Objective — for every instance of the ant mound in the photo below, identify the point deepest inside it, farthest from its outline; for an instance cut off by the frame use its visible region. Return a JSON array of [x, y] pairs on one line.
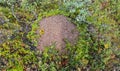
[[56, 30]]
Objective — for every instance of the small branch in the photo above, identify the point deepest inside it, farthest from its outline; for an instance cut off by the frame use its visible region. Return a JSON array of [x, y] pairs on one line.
[[13, 13]]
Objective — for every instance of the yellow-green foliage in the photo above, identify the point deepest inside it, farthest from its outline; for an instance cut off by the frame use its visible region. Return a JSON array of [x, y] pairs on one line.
[[15, 52], [97, 47], [99, 43]]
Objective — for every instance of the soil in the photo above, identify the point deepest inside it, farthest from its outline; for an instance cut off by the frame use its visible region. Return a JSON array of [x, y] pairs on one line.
[[56, 30]]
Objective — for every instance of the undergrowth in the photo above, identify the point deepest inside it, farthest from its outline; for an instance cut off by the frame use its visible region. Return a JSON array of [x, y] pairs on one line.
[[97, 47]]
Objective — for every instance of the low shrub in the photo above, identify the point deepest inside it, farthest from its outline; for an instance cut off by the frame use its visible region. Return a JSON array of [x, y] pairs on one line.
[[97, 47]]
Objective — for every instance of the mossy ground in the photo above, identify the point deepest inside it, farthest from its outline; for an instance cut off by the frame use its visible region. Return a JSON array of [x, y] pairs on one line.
[[98, 46]]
